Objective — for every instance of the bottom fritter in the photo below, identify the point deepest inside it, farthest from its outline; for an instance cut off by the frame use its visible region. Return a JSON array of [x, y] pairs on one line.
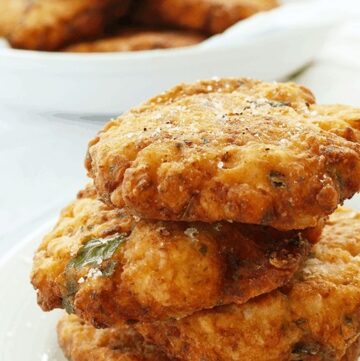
[[81, 342], [353, 352], [315, 318]]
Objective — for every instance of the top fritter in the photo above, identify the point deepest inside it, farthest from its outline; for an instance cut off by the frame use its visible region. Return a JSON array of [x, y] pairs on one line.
[[230, 149]]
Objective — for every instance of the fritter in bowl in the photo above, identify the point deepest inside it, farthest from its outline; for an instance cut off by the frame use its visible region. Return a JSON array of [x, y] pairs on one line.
[[229, 149], [315, 317], [211, 16], [53, 24], [138, 39], [81, 342], [109, 268]]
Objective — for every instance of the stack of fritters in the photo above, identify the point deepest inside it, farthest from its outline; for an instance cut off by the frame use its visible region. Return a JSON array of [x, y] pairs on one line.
[[113, 25], [205, 234]]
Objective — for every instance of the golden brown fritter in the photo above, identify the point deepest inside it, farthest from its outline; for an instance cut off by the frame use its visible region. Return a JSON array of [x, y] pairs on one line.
[[229, 149], [212, 16], [316, 317], [108, 268], [340, 119], [79, 222], [139, 39], [50, 25], [10, 12], [353, 352], [81, 342]]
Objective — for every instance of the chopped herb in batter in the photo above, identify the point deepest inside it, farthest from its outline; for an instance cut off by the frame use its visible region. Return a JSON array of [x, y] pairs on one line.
[[95, 251]]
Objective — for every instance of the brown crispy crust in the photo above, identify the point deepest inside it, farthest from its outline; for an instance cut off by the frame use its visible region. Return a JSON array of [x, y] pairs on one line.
[[212, 16], [353, 352], [50, 25], [164, 269], [228, 149], [81, 342], [10, 12], [315, 318], [139, 39], [343, 120]]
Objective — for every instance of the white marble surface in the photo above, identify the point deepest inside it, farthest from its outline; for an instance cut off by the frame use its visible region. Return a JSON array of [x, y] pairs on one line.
[[41, 155]]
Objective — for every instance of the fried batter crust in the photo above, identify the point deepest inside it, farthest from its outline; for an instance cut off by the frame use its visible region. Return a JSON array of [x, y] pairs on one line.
[[164, 269], [10, 12], [50, 25], [212, 16], [340, 119], [81, 342], [353, 352], [139, 39], [80, 221], [316, 317], [229, 149]]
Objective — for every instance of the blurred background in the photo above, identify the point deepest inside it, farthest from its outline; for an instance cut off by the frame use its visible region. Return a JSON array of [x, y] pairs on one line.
[[52, 102]]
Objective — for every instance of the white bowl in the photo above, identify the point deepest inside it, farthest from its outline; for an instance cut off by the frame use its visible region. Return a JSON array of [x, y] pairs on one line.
[[268, 46]]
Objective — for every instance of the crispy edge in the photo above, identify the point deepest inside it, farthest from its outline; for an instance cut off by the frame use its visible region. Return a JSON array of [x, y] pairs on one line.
[[76, 223], [342, 120], [81, 342]]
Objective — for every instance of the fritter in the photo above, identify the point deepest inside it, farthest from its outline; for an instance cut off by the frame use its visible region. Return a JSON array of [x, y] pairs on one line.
[[81, 342], [139, 39], [108, 268], [353, 352], [339, 119], [316, 317], [10, 12], [228, 149], [50, 25], [211, 16]]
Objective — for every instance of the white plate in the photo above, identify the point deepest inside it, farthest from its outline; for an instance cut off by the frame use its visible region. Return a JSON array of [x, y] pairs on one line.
[[268, 46], [27, 333]]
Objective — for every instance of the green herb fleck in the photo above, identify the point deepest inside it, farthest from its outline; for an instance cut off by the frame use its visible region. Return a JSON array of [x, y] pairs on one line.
[[68, 304], [92, 253], [278, 104], [95, 251]]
